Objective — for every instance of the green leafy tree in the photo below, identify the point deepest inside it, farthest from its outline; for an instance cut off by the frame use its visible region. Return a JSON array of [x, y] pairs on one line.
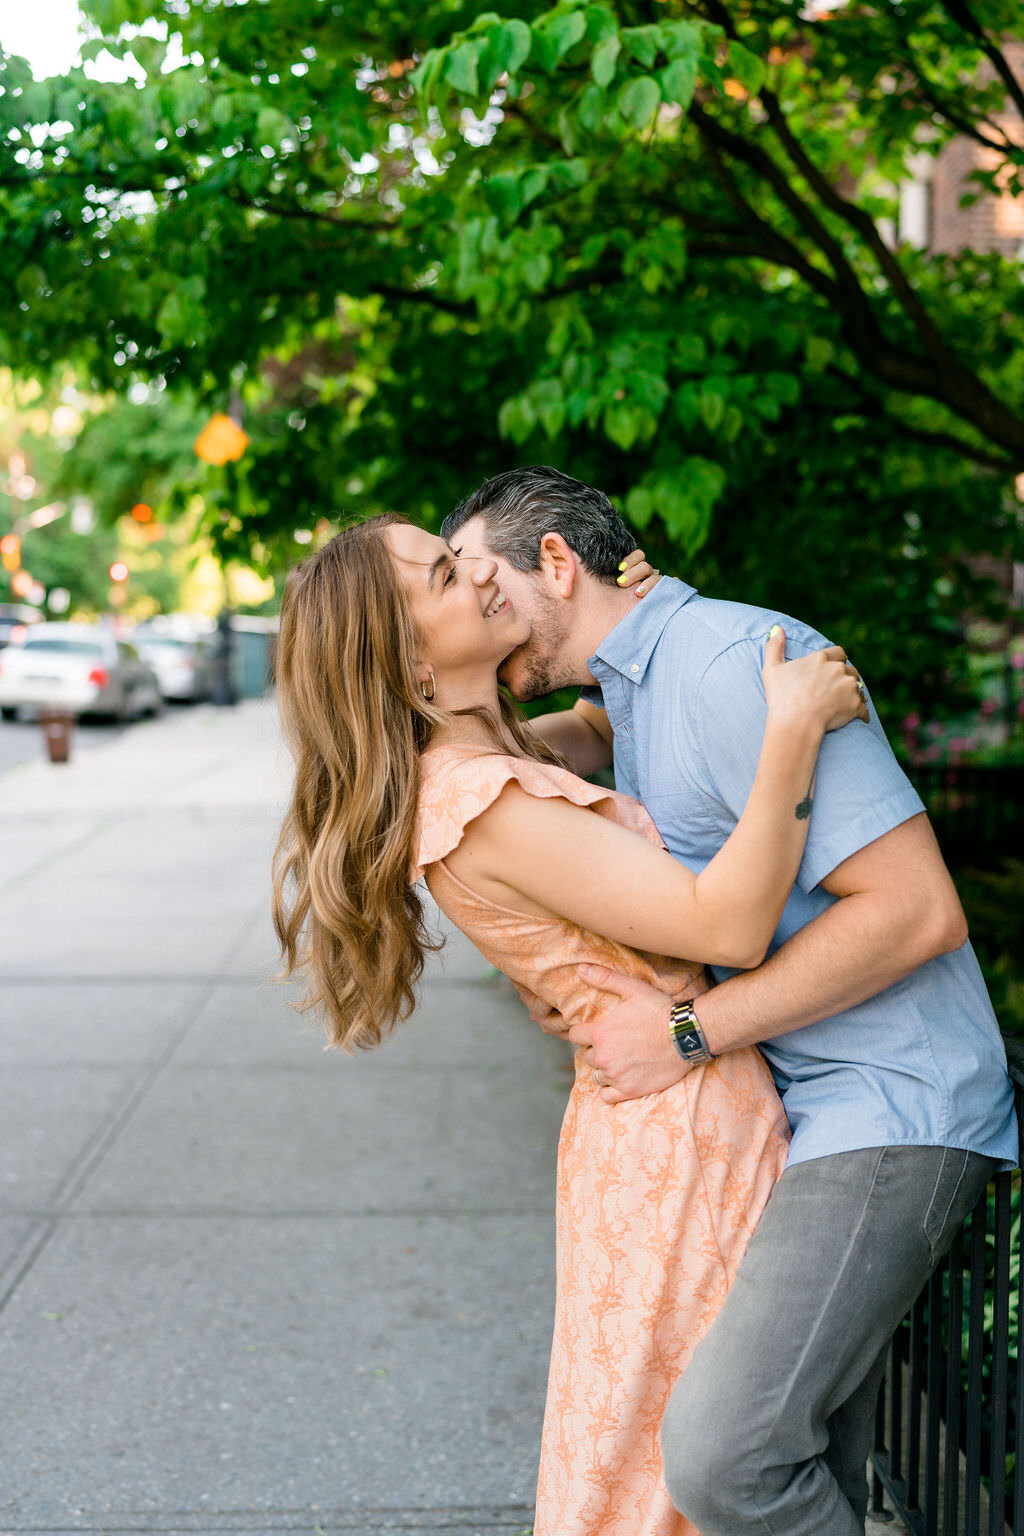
[[643, 240], [67, 452]]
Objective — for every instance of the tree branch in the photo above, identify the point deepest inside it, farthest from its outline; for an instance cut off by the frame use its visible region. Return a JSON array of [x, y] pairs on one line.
[[716, 136], [739, 247], [865, 226], [973, 402], [942, 377], [515, 109], [295, 211], [869, 405], [422, 296], [856, 218], [962, 14], [784, 252], [956, 119], [957, 444]]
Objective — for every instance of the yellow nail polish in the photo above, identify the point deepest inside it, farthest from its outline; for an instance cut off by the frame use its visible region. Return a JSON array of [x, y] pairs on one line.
[[619, 580], [775, 630], [622, 565]]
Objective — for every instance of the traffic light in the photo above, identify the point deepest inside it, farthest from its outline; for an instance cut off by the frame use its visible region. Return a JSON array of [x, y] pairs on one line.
[[10, 551]]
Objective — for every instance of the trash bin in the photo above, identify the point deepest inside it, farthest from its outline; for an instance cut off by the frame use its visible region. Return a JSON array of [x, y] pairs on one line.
[[57, 724]]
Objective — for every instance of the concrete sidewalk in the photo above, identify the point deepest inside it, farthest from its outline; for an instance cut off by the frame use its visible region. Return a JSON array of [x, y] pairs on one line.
[[246, 1285]]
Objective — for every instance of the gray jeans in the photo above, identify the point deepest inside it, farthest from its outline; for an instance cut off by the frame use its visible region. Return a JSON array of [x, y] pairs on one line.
[[770, 1427]]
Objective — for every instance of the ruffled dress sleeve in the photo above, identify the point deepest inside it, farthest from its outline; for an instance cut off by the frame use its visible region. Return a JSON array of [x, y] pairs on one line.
[[457, 786]]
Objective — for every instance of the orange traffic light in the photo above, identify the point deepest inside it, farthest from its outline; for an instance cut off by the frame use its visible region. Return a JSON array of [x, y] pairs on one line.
[[119, 571], [10, 551]]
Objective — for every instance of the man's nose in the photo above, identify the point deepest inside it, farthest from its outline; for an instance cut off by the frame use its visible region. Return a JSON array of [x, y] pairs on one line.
[[483, 569]]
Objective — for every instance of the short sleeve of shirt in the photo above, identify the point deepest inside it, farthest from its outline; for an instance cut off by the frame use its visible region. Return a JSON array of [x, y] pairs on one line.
[[860, 793]]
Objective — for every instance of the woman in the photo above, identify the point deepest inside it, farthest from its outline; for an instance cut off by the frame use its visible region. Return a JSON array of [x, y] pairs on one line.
[[411, 764]]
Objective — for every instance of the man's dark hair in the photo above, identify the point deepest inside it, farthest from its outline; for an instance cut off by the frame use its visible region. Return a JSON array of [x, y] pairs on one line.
[[522, 505]]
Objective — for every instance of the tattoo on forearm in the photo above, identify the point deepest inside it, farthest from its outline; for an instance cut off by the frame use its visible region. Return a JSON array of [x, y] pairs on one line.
[[803, 810]]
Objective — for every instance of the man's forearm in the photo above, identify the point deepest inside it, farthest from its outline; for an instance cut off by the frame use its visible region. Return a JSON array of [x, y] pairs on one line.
[[896, 909], [570, 732], [855, 949]]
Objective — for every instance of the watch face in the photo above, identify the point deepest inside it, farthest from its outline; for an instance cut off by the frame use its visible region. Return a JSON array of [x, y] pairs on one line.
[[686, 1034]]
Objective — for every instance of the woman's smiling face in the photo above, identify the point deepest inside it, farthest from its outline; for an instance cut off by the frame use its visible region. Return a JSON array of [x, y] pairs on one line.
[[464, 620]]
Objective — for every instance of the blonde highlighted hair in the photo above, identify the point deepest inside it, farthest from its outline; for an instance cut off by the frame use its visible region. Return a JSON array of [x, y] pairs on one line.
[[356, 721]]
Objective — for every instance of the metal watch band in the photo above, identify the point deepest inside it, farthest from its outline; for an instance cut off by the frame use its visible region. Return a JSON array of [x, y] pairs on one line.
[[687, 1035]]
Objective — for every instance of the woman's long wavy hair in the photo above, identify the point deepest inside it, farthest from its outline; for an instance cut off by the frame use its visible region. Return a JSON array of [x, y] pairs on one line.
[[356, 720]]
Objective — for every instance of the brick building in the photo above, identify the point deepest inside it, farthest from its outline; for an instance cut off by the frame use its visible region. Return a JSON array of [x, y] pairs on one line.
[[930, 211]]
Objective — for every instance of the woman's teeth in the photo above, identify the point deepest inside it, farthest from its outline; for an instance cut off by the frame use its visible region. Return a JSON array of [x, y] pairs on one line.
[[495, 607]]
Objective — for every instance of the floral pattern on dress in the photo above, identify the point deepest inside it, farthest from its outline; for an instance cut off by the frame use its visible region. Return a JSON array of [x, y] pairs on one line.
[[656, 1197]]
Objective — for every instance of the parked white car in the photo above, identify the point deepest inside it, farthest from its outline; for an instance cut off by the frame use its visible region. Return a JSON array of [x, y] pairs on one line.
[[79, 668], [182, 664]]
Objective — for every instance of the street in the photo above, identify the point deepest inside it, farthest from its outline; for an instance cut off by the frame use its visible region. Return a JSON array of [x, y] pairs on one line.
[[248, 1285]]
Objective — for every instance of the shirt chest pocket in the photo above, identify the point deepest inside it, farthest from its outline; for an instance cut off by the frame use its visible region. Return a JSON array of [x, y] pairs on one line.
[[691, 826]]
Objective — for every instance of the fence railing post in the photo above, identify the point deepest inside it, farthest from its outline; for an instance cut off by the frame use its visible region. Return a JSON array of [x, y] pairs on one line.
[[952, 1401]]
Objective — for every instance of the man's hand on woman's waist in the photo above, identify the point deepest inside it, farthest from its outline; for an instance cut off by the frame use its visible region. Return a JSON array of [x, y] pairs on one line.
[[631, 1046]]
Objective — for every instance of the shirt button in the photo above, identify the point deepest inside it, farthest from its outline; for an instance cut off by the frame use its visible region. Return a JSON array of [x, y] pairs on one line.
[[634, 668]]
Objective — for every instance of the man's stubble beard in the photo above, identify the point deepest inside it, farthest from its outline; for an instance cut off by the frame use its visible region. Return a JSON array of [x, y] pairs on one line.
[[541, 664]]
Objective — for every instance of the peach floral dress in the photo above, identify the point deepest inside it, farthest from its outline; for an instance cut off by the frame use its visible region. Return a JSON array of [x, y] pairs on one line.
[[656, 1197]]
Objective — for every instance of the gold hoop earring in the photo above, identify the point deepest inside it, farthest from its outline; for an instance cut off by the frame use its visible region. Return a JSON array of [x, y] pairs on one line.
[[429, 697]]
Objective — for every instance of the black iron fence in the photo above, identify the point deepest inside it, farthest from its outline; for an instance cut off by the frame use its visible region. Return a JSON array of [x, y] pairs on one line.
[[949, 1441]]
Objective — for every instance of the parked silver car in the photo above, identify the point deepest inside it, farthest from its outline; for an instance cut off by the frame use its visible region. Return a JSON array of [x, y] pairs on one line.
[[79, 668], [182, 663]]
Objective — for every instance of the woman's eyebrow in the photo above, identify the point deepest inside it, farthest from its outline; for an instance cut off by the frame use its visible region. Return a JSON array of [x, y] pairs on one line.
[[438, 563]]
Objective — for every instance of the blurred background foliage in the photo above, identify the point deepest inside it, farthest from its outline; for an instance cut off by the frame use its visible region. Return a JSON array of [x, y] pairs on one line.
[[651, 242], [643, 241]]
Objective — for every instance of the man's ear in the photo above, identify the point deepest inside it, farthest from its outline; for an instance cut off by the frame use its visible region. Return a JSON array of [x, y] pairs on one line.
[[558, 564]]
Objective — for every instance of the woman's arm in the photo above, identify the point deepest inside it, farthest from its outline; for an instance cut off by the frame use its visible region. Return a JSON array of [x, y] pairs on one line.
[[553, 857]]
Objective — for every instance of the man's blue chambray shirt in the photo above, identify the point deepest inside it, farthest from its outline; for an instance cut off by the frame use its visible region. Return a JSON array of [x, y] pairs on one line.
[[921, 1064]]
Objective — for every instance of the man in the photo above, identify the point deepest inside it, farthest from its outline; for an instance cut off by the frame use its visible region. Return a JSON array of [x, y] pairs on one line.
[[871, 1011]]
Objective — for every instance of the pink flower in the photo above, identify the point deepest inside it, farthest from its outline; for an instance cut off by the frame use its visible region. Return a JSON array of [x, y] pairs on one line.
[[911, 722]]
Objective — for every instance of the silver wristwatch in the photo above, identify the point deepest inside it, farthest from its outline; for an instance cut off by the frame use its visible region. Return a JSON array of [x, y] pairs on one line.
[[687, 1034]]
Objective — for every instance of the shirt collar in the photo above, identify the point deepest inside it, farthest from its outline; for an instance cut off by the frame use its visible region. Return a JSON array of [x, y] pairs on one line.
[[628, 648]]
